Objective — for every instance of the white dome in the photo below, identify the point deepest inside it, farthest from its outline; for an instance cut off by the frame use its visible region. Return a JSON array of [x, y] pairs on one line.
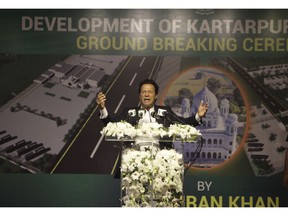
[[208, 97], [225, 102], [233, 117], [185, 102]]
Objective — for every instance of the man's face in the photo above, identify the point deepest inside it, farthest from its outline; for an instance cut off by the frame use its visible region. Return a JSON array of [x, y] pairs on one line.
[[147, 96]]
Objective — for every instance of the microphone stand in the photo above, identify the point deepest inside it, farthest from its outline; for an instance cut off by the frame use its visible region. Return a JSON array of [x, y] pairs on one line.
[[174, 116], [196, 154], [198, 148]]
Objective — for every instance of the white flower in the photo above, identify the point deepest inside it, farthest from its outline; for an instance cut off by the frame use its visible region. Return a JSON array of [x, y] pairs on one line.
[[119, 130], [124, 129], [185, 132], [153, 178], [150, 129]]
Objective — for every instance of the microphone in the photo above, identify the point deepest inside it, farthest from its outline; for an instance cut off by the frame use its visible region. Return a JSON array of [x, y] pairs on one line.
[[162, 112], [154, 115], [141, 113], [132, 112]]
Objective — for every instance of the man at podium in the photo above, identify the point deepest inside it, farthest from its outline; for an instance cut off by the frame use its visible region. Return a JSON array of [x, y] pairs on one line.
[[151, 176], [148, 111]]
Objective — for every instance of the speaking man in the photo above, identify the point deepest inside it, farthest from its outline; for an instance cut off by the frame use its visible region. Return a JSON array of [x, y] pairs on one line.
[[148, 111]]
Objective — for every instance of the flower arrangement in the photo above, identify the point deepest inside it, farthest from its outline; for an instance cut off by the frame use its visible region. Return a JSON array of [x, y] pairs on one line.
[[119, 129], [150, 129], [152, 178], [123, 129], [185, 132]]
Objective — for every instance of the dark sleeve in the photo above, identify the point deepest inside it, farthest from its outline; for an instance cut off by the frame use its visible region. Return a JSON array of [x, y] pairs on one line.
[[192, 121]]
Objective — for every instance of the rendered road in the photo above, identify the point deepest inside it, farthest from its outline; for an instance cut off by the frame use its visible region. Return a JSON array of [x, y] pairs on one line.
[[89, 152]]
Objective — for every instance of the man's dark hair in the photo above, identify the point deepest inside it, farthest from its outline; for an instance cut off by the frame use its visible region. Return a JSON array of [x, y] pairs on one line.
[[149, 81]]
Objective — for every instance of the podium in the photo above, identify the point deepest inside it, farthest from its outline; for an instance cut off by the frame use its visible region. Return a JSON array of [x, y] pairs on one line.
[[151, 175]]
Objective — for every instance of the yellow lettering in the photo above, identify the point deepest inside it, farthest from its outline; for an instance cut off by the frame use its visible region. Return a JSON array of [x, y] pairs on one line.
[[81, 42], [260, 202], [272, 203], [265, 44], [113, 43], [248, 203], [157, 44], [233, 201], [203, 202], [191, 201], [216, 202], [247, 44], [182, 44]]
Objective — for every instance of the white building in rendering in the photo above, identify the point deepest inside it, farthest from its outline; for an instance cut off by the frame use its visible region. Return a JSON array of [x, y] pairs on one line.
[[219, 131]]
